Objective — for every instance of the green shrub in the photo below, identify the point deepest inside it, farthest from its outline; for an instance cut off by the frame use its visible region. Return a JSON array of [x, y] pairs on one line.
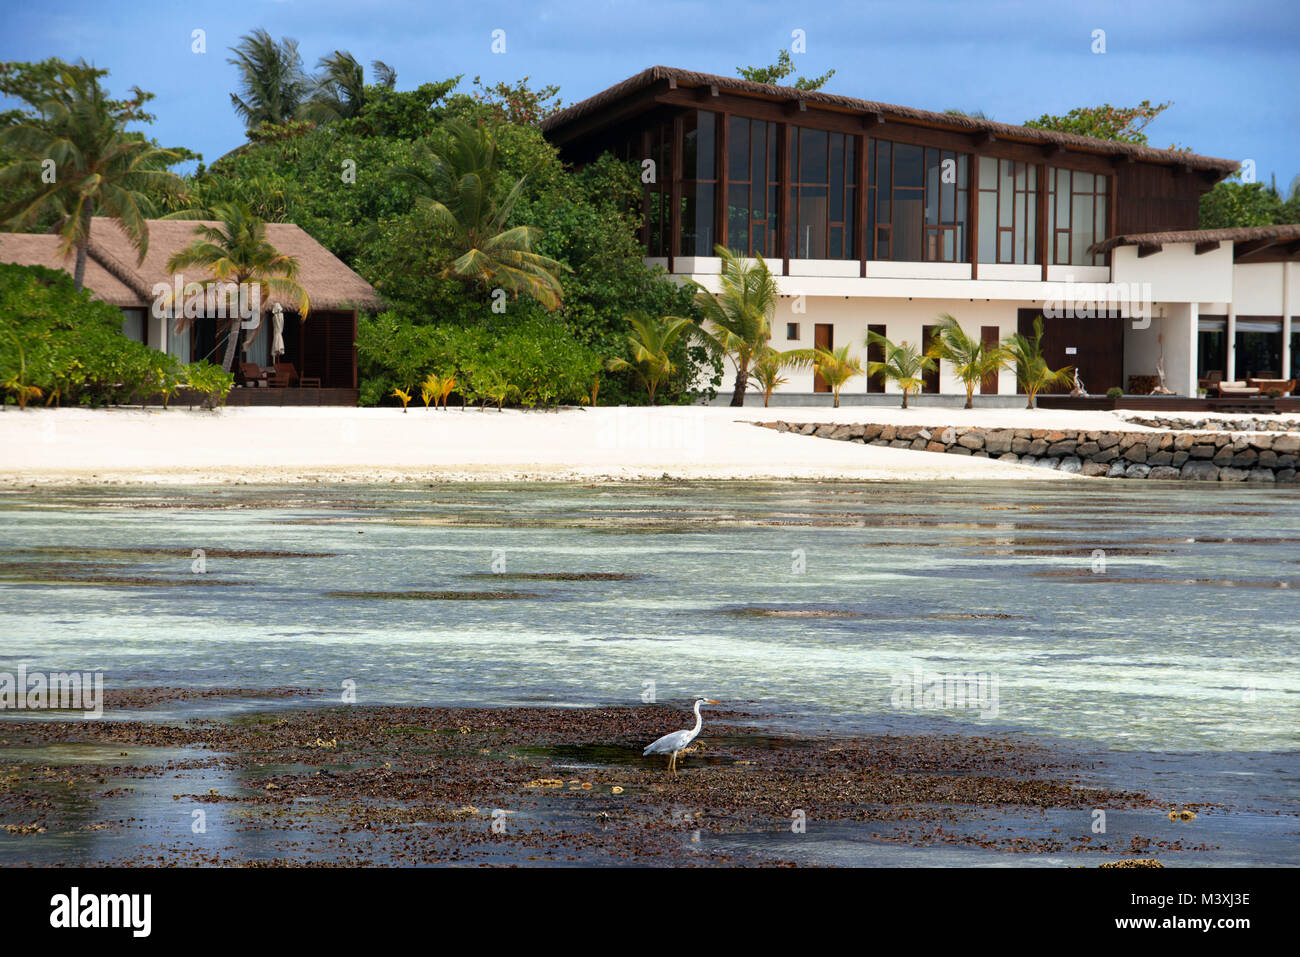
[[70, 346], [1114, 392], [536, 361]]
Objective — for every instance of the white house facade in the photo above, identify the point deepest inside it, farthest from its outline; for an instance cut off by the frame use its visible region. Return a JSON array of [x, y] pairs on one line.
[[878, 217]]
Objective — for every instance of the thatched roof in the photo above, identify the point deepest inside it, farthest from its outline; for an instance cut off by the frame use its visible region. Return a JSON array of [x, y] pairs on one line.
[[1241, 234], [42, 249], [115, 273], [967, 124]]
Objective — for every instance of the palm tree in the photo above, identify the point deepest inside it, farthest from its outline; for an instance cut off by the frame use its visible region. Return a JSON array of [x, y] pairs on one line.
[[650, 342], [99, 168], [340, 88], [765, 371], [835, 366], [903, 363], [236, 250], [971, 359], [272, 83], [740, 316], [457, 182], [1025, 355]]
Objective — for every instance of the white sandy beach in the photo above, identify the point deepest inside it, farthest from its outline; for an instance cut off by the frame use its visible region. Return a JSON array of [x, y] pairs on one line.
[[291, 445]]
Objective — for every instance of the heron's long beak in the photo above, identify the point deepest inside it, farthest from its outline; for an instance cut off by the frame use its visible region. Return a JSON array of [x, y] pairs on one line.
[[711, 701]]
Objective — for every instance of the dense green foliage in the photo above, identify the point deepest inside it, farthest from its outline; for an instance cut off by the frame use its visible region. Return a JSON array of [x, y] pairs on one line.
[[1123, 123], [533, 359], [1234, 203], [60, 345], [587, 220]]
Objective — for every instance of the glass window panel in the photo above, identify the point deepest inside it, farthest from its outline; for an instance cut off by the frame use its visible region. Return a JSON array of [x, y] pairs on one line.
[[738, 164], [706, 166], [812, 156], [988, 173], [1101, 223], [884, 177], [738, 215], [1081, 227], [851, 161], [812, 221], [1005, 253], [1006, 196], [908, 228], [988, 227], [1031, 233], [908, 165], [949, 251], [1063, 249]]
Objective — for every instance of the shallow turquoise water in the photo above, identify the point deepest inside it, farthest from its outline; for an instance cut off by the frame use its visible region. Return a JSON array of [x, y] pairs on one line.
[[1177, 644]]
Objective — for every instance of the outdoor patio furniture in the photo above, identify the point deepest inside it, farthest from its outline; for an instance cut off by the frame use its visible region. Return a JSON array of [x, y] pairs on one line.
[[1237, 387], [252, 374], [1285, 386], [284, 375], [309, 382]]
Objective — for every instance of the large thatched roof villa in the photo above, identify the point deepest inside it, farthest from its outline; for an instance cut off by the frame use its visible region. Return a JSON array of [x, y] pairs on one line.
[[321, 349], [876, 216]]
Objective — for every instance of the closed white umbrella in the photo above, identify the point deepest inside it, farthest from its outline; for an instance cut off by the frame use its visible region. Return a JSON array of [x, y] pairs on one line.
[[277, 332]]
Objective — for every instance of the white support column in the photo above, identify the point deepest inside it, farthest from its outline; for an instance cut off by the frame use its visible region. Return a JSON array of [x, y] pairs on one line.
[[1285, 371], [1230, 373], [1179, 332]]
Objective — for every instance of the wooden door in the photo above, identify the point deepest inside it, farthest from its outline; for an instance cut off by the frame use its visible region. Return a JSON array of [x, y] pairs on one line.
[[823, 338], [930, 377], [875, 353], [1093, 346], [989, 384]]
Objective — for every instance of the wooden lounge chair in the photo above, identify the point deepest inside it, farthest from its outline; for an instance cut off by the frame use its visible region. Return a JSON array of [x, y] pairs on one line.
[[284, 375], [1285, 386], [1235, 388], [252, 374]]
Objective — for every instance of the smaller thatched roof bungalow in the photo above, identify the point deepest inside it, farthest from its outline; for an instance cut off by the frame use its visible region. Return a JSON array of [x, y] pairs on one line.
[[321, 348]]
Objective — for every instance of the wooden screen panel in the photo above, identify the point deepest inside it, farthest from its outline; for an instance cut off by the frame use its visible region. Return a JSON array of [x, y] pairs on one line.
[[875, 353], [1098, 345], [930, 377], [989, 384], [823, 338]]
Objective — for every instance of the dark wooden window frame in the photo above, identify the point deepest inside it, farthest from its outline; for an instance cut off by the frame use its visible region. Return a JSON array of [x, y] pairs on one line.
[[1100, 224], [771, 175], [1033, 212], [848, 188]]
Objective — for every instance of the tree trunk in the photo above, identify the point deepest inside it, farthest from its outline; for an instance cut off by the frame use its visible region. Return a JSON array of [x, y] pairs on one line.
[[232, 340], [905, 398], [83, 247], [742, 383], [970, 400]]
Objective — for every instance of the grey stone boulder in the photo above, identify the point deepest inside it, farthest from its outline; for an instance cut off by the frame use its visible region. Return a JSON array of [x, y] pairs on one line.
[[1138, 470], [1200, 471], [1164, 473]]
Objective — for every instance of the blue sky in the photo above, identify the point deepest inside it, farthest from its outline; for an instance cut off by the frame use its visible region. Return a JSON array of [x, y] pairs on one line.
[[1232, 70]]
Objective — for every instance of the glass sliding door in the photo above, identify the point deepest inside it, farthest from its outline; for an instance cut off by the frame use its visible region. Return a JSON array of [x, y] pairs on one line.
[[1259, 348], [753, 180], [1008, 211], [699, 182], [823, 194], [916, 202]]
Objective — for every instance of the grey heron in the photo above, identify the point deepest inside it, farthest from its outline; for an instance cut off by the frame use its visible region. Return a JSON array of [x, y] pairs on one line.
[[677, 741]]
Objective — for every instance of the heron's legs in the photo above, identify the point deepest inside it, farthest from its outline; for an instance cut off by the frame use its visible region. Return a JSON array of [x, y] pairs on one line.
[[672, 763]]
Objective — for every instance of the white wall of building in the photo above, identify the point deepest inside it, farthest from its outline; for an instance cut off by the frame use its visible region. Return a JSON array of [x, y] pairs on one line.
[[903, 321], [1176, 273]]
